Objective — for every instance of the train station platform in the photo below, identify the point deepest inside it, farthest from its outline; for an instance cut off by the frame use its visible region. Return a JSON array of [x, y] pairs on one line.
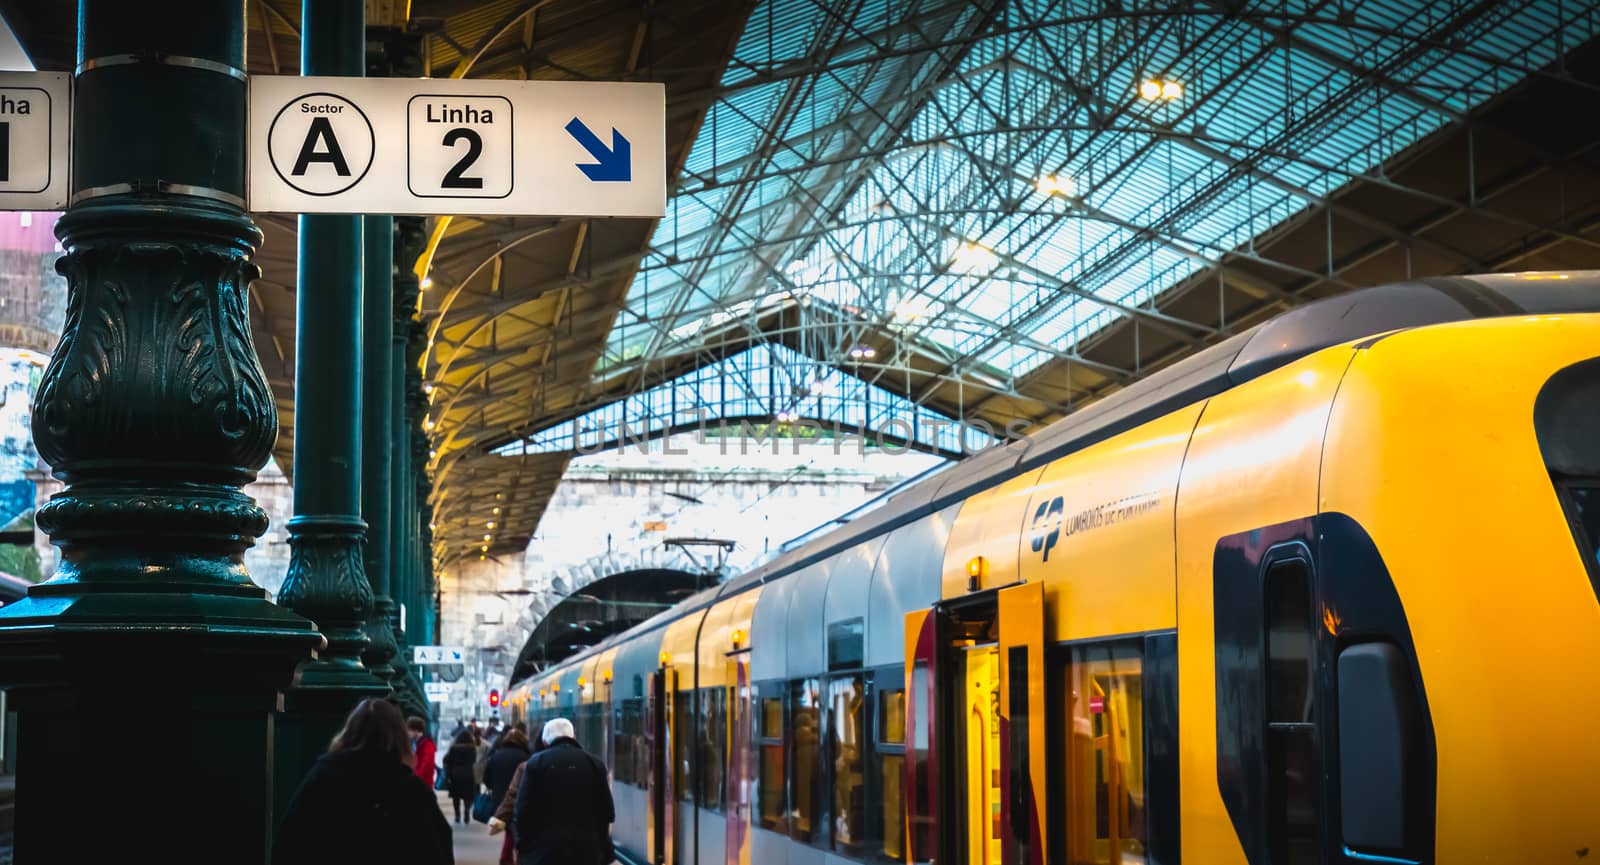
[[473, 843]]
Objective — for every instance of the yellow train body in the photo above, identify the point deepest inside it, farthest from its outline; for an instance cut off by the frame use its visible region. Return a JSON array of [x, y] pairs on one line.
[[1042, 721]]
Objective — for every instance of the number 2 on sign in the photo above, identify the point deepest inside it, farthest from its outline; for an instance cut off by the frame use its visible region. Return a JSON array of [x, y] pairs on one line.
[[453, 178]]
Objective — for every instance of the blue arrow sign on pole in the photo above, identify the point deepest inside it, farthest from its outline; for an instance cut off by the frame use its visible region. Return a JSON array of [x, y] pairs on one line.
[[616, 162]]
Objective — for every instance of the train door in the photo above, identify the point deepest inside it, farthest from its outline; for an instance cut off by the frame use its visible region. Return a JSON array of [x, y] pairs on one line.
[[1023, 722], [976, 703], [659, 782], [737, 781], [978, 752], [608, 739]]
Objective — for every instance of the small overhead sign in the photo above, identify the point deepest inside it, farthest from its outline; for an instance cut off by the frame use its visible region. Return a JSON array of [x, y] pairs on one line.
[[436, 692], [437, 654], [445, 146], [35, 124]]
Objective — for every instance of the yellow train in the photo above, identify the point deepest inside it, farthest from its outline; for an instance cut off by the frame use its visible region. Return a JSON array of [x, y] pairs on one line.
[[1326, 592]]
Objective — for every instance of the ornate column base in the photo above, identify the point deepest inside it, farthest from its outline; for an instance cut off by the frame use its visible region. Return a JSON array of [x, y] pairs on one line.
[[379, 657]]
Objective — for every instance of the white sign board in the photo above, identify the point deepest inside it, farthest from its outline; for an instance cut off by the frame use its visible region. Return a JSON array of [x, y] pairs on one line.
[[35, 121], [437, 654], [436, 692], [446, 146]]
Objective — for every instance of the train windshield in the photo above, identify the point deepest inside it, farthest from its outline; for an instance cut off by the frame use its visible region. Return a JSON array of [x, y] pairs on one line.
[[1586, 517]]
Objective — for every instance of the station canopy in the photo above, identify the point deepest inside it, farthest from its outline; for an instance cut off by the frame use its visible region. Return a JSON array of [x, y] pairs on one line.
[[960, 210]]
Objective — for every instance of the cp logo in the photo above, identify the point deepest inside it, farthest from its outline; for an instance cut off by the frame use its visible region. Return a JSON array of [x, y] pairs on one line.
[[1047, 526]]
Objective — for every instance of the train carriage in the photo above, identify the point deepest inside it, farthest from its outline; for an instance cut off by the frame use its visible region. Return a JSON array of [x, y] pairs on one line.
[[1326, 592]]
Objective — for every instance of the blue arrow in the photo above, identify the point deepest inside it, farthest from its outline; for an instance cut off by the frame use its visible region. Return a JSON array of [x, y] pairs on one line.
[[616, 162]]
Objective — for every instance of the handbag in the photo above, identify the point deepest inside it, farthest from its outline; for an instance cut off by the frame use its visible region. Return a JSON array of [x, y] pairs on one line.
[[483, 808]]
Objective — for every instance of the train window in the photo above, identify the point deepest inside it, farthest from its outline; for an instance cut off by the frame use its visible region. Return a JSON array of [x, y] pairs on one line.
[[845, 645], [807, 798], [847, 728], [892, 716], [712, 746], [1105, 754], [771, 718], [683, 736], [770, 802], [1586, 517], [1291, 734], [890, 778], [1287, 596]]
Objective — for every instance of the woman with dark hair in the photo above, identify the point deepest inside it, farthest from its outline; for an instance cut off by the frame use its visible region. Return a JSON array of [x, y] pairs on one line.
[[460, 776], [361, 802]]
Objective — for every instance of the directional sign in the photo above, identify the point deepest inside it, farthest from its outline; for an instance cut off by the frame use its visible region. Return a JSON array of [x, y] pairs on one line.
[[437, 654], [35, 117], [427, 146], [437, 692]]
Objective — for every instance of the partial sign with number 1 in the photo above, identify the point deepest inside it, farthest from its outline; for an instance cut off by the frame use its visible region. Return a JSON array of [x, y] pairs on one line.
[[35, 121]]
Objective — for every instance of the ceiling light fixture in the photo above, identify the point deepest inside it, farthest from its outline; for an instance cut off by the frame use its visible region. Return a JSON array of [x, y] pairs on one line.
[[1056, 184], [1166, 89]]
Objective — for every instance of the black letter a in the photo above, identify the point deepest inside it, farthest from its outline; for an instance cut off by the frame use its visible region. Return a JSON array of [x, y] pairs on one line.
[[321, 129]]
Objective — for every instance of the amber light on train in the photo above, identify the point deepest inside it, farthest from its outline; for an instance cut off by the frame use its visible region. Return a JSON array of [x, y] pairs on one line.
[[738, 638], [977, 569], [666, 658]]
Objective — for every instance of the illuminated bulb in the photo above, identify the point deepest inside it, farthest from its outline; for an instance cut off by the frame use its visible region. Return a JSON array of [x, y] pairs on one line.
[[432, 453], [977, 566], [1171, 90], [491, 524], [582, 682], [427, 423], [427, 282], [665, 659], [484, 548], [427, 387], [1057, 184], [497, 512], [483, 558], [488, 537], [1150, 89], [973, 257], [738, 637]]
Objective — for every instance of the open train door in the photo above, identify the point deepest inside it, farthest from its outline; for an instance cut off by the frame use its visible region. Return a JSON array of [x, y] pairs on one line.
[[658, 782], [920, 781], [1023, 726], [740, 777]]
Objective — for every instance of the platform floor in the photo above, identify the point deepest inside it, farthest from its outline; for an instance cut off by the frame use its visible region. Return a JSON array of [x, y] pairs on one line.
[[473, 845]]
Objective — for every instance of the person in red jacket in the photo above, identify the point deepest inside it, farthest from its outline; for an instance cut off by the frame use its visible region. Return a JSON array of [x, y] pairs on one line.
[[422, 745]]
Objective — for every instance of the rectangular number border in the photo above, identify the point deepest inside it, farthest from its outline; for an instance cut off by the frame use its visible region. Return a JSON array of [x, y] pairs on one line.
[[511, 112]]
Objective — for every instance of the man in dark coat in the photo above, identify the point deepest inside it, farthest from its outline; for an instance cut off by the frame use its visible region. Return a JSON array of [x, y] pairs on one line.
[[564, 808]]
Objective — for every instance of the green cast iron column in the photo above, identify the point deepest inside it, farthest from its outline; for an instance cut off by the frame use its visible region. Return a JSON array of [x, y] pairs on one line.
[[377, 305], [155, 412], [410, 239], [416, 410], [326, 581]]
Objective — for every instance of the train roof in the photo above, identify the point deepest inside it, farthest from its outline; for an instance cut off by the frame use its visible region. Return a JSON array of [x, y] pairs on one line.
[[1277, 342]]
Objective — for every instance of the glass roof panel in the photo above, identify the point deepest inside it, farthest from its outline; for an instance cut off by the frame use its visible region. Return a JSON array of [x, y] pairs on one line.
[[946, 177]]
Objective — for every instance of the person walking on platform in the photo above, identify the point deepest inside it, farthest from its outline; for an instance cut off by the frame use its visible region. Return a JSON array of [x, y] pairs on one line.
[[361, 802], [506, 797], [564, 810], [512, 751], [422, 746], [461, 783]]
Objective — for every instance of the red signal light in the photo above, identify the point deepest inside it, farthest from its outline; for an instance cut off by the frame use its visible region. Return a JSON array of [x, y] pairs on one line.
[[494, 698]]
